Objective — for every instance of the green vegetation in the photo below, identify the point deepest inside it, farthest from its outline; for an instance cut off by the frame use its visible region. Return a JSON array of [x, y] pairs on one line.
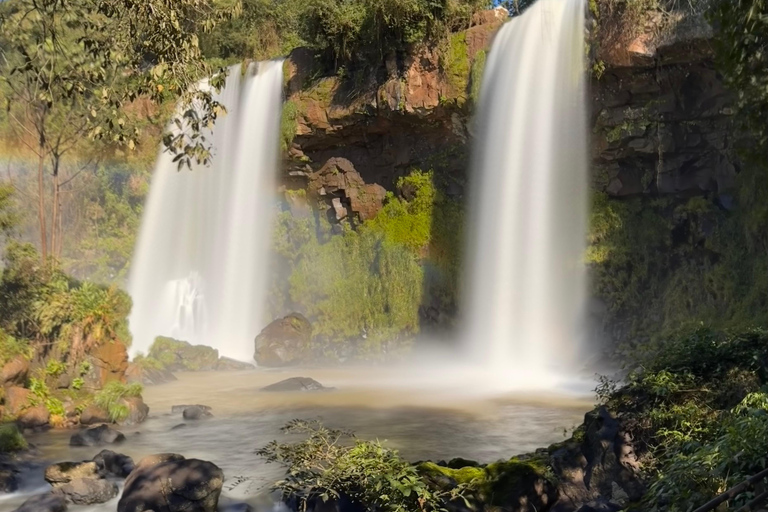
[[288, 124], [174, 355], [369, 283], [476, 76], [11, 439], [41, 394], [323, 467], [110, 399], [457, 66], [696, 410]]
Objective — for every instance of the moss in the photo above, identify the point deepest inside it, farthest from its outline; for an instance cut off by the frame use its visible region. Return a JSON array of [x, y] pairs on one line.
[[288, 124], [456, 66], [476, 76], [495, 483], [11, 439]]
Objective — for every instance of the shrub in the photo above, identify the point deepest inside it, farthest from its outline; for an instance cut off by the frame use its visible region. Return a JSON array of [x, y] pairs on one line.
[[11, 439], [110, 399], [698, 411], [322, 467]]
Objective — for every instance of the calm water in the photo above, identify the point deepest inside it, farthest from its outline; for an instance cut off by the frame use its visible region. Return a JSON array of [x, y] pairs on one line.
[[422, 424]]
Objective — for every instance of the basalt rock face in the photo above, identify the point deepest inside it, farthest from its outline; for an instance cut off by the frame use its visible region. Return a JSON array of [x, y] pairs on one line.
[[662, 118]]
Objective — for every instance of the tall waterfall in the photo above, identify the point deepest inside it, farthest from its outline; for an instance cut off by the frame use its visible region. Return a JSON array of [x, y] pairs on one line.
[[526, 277], [200, 272]]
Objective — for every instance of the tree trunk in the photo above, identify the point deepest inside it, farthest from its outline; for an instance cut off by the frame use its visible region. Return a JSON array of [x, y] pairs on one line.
[[41, 203], [55, 221]]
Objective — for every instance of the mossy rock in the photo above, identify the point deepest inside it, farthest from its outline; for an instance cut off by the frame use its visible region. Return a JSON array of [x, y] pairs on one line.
[[175, 355], [509, 485]]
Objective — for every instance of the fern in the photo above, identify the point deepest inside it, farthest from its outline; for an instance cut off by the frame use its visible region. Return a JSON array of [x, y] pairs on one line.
[[111, 399]]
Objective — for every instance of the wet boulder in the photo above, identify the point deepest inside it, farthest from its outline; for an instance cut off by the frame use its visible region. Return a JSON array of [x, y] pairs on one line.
[[169, 482], [284, 342], [196, 413], [87, 491], [179, 409], [49, 502], [296, 384], [110, 463], [137, 410], [97, 436], [9, 481]]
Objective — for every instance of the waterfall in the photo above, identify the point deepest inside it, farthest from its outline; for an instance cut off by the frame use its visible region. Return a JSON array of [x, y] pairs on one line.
[[526, 277], [200, 271]]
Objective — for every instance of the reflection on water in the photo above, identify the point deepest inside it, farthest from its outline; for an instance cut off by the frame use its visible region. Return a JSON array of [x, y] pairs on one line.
[[422, 425]]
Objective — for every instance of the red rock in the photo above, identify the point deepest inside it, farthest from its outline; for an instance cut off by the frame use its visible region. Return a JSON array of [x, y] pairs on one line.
[[16, 399], [15, 372]]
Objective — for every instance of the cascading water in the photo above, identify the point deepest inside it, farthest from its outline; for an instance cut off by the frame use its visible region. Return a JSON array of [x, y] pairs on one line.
[[526, 279], [200, 272]]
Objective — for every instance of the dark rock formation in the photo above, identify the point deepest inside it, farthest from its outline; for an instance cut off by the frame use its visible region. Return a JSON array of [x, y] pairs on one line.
[[661, 114], [110, 463], [96, 436], [87, 491], [44, 503], [340, 186], [284, 342], [168, 483], [196, 412], [15, 372], [604, 467], [296, 384]]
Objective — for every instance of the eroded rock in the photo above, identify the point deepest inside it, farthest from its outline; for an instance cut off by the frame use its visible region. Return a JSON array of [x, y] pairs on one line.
[[196, 413], [15, 372], [64, 472], [340, 185]]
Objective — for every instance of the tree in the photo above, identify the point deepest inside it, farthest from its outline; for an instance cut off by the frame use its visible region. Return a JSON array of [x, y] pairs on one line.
[[69, 67]]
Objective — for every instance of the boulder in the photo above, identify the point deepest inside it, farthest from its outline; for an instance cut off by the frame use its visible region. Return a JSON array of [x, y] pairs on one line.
[[179, 409], [15, 372], [226, 364], [196, 413], [34, 417], [110, 463], [109, 361], [16, 399], [64, 472], [284, 342], [296, 384], [96, 436], [169, 483], [44, 503], [94, 415], [87, 491]]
